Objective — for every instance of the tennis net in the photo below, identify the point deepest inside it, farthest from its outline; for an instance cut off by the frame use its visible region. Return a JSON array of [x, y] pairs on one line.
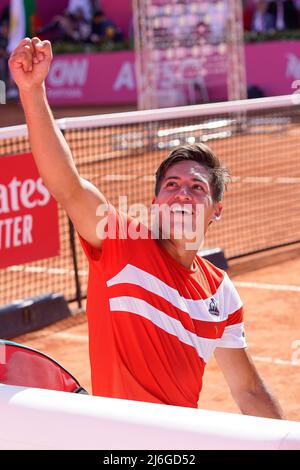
[[258, 140]]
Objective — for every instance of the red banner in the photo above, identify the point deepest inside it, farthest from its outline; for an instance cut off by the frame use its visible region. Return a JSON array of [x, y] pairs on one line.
[[28, 214]]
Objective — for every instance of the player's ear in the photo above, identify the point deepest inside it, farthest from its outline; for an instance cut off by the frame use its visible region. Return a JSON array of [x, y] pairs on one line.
[[218, 211]]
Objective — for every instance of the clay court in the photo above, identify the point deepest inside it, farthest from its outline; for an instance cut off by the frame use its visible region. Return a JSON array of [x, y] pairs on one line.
[[268, 285]]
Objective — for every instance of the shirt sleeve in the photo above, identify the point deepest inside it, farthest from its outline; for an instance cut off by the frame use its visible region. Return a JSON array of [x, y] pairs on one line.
[[116, 246], [234, 332]]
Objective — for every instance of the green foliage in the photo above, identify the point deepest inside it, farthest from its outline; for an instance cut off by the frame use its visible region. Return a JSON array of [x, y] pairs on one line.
[[272, 35], [62, 47]]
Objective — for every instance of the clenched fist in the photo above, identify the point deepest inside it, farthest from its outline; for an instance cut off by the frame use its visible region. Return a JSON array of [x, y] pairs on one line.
[[29, 63]]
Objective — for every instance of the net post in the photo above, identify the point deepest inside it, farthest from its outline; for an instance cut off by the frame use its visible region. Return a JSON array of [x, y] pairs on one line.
[[78, 294], [75, 264]]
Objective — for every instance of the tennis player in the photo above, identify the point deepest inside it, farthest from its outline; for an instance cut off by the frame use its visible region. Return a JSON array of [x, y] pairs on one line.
[[156, 310]]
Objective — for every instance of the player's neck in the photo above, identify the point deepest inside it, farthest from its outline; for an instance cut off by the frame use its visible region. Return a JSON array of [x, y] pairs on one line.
[[177, 249]]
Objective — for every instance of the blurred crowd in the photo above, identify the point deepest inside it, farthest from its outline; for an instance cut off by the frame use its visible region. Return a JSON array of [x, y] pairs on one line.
[[266, 15], [80, 25], [191, 23], [81, 22], [84, 23]]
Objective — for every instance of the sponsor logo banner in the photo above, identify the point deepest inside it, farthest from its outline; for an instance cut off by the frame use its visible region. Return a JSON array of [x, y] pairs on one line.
[[283, 58], [92, 79], [109, 78], [28, 214]]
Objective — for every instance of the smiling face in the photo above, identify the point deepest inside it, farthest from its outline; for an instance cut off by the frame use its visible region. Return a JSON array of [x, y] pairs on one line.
[[186, 192]]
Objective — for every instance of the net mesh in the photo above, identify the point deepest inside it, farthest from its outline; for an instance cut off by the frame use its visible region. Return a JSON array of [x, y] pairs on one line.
[[51, 275], [261, 209]]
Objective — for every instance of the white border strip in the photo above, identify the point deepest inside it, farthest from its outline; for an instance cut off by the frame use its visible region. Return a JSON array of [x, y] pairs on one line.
[[13, 131], [105, 120], [31, 418]]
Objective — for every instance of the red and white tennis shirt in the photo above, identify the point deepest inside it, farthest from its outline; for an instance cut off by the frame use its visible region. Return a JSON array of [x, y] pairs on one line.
[[153, 324]]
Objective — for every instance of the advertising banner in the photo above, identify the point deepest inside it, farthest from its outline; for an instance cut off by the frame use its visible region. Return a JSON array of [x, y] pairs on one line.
[[109, 78], [28, 214], [283, 71], [106, 78]]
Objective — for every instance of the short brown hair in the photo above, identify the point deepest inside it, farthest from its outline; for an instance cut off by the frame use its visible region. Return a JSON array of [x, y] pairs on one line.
[[203, 155]]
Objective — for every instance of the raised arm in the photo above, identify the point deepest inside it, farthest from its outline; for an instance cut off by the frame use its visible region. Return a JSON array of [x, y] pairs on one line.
[[29, 65]]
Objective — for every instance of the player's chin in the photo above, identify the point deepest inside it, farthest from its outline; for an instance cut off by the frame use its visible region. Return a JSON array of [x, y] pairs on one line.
[[180, 232]]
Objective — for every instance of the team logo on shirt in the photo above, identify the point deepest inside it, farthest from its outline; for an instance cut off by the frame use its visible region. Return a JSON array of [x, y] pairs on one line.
[[213, 307]]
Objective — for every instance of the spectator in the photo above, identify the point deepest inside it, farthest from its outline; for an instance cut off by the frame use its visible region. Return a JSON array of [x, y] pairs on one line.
[[284, 13], [248, 10], [104, 30], [86, 6], [81, 28], [4, 17], [68, 27], [262, 20], [60, 27]]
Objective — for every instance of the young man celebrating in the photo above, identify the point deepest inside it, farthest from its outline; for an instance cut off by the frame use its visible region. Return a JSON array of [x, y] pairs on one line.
[[156, 310]]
